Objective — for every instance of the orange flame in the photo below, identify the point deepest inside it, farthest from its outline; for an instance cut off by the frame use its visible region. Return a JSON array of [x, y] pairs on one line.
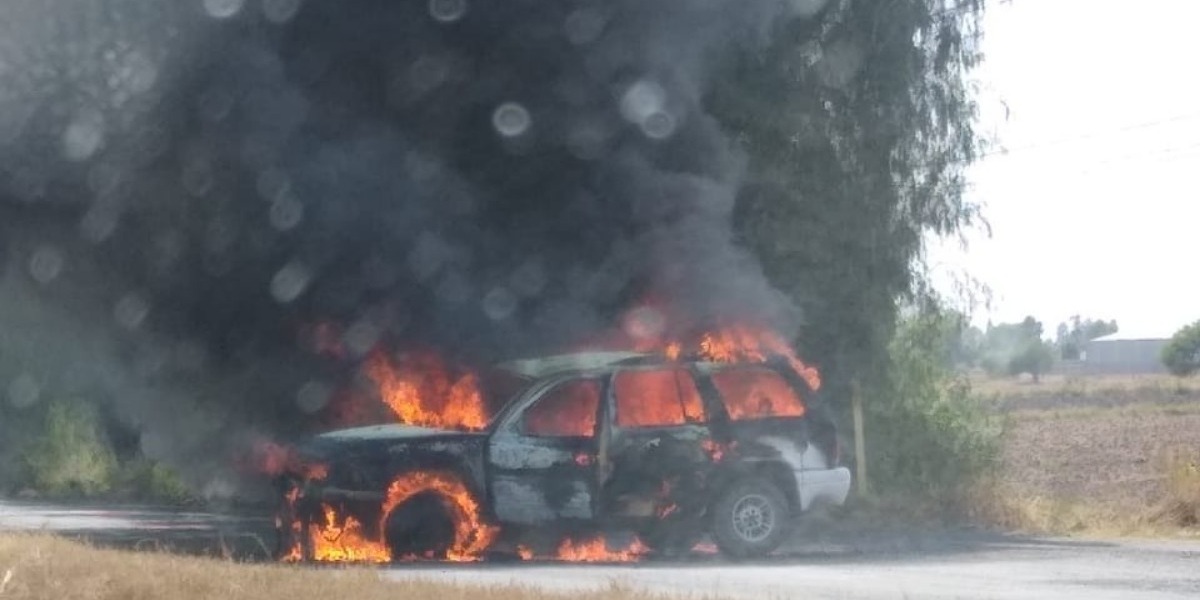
[[421, 391], [753, 345], [344, 542], [472, 535], [596, 550], [525, 553], [274, 460]]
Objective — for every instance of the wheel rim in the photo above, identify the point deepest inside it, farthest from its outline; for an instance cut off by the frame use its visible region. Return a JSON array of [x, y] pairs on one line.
[[753, 518]]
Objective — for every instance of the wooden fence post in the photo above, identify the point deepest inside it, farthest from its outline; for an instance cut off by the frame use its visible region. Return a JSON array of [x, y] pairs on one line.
[[860, 444]]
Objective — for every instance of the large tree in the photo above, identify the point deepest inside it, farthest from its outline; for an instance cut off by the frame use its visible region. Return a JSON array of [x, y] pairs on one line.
[[858, 127]]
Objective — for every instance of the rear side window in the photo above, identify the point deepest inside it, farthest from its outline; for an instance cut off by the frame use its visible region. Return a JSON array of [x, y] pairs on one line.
[[757, 394], [566, 410], [657, 398]]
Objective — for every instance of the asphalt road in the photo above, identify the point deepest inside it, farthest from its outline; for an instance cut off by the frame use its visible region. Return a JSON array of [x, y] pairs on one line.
[[819, 564]]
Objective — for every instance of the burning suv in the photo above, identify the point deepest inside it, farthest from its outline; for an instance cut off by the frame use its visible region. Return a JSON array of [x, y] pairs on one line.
[[591, 442]]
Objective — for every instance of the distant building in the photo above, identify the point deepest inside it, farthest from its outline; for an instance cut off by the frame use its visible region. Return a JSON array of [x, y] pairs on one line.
[[1125, 354]]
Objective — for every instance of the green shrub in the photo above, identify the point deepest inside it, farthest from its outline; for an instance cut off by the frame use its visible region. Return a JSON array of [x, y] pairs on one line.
[[152, 481], [1181, 356], [71, 456], [929, 434]]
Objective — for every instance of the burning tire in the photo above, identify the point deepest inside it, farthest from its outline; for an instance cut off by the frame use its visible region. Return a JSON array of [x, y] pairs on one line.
[[750, 518], [422, 527]]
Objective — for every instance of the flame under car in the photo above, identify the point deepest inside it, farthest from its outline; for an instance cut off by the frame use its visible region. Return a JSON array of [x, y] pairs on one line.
[[670, 449]]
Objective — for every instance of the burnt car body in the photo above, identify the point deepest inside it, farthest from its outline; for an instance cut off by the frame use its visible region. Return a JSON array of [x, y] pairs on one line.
[[608, 441]]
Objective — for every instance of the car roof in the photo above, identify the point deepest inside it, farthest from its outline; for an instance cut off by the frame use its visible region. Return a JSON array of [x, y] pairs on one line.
[[538, 368]]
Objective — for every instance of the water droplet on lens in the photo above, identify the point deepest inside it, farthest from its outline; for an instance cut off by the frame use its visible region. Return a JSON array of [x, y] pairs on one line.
[[131, 310], [313, 396], [641, 100], [362, 336], [46, 264], [23, 391], [280, 11], [223, 9], [99, 223], [286, 213], [584, 25], [447, 11], [290, 282], [84, 136], [511, 119], [499, 304], [659, 125]]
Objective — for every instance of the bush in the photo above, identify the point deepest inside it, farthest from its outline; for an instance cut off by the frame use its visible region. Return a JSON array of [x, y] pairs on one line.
[[929, 434], [1181, 356], [150, 481], [71, 456]]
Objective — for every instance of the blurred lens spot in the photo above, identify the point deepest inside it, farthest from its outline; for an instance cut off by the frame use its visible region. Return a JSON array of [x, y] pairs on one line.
[[447, 11], [499, 304], [98, 223], [584, 25], [138, 72], [644, 323], [362, 336], [280, 11], [313, 396], [807, 8], [83, 136], [511, 119], [290, 282], [642, 100], [659, 125], [286, 213], [223, 9], [23, 391], [46, 264], [131, 311]]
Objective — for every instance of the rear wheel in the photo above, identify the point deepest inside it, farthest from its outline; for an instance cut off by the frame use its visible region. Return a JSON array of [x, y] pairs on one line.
[[750, 518]]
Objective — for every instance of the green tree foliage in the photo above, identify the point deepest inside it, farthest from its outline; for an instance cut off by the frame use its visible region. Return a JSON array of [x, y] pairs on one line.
[[1071, 337], [71, 456], [1182, 354], [857, 124], [930, 434]]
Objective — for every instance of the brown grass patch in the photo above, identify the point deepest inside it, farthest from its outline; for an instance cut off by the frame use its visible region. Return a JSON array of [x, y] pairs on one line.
[[46, 567]]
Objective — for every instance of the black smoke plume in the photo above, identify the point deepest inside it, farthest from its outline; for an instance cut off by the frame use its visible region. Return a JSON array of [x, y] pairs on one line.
[[193, 191]]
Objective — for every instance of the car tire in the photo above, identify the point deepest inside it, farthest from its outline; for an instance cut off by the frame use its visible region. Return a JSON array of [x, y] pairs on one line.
[[422, 527], [750, 518]]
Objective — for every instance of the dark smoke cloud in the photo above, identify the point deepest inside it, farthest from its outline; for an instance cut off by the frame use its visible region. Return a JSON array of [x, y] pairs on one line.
[[487, 178]]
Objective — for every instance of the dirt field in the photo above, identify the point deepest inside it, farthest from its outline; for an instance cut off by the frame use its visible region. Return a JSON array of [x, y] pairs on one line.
[[1104, 453]]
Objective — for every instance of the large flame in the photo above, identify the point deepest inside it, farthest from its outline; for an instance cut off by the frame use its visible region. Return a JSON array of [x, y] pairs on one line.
[[421, 391], [750, 344], [343, 540]]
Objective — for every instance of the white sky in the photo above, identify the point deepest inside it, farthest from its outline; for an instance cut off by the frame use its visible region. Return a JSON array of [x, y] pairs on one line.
[[1095, 209]]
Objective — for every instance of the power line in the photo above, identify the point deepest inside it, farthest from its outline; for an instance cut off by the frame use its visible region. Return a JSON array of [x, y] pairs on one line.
[[1093, 135]]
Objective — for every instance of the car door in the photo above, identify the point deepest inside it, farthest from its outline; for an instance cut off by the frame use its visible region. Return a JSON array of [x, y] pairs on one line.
[[541, 458], [654, 450]]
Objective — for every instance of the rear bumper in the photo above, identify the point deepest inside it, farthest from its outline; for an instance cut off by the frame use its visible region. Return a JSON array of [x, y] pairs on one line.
[[823, 487]]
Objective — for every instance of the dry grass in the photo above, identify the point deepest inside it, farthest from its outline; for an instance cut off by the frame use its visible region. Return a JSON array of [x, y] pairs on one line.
[[46, 567], [1082, 385]]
